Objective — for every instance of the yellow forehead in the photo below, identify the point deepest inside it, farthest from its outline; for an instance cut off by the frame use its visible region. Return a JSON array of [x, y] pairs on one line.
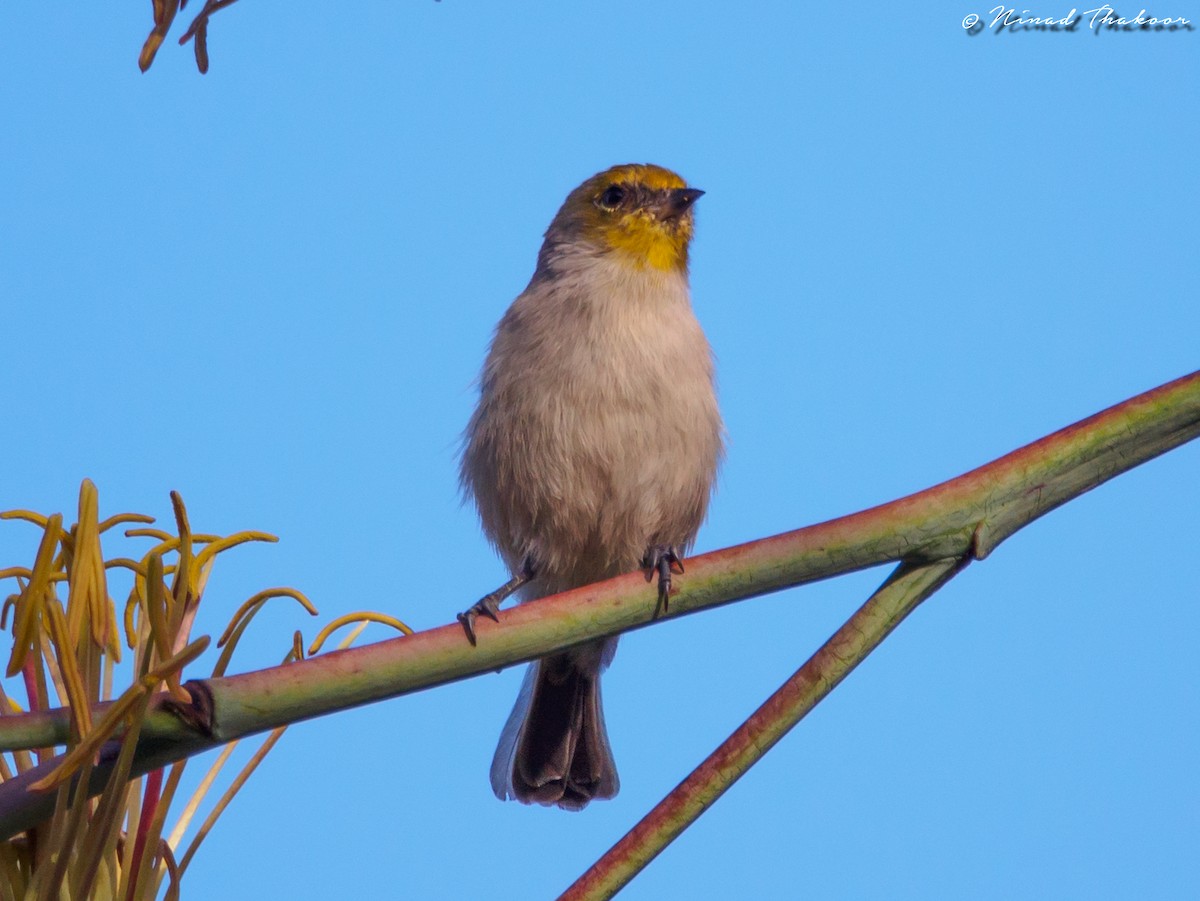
[[654, 177]]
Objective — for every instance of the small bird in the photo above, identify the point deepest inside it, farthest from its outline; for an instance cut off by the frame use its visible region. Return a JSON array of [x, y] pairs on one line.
[[593, 451]]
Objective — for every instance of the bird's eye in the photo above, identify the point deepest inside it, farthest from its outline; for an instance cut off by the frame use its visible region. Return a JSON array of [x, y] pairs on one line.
[[612, 197]]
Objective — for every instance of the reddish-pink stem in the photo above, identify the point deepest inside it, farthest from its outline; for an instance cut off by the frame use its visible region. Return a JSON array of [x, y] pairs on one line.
[[149, 807]]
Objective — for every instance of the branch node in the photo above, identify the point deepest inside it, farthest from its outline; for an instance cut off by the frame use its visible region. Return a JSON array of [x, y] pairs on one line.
[[198, 713], [981, 544]]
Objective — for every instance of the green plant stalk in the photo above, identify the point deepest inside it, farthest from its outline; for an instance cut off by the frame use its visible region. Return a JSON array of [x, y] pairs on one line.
[[907, 587], [965, 517]]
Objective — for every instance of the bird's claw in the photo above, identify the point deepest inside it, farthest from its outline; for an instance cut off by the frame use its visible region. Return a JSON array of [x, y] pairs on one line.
[[663, 559], [489, 604]]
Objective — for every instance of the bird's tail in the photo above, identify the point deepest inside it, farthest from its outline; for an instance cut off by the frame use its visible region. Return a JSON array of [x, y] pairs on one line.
[[554, 749]]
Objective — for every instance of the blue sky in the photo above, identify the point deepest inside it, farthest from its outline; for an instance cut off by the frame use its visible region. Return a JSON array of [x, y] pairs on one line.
[[271, 287]]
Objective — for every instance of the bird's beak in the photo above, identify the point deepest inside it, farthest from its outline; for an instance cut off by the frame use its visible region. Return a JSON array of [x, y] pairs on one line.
[[678, 201]]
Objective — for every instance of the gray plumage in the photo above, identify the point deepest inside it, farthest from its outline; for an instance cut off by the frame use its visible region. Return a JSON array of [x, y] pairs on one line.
[[596, 437]]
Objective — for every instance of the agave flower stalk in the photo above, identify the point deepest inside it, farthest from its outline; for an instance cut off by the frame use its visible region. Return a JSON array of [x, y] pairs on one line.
[[962, 519]]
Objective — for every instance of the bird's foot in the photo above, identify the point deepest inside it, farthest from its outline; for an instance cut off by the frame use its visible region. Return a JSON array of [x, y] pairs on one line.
[[489, 604], [663, 559]]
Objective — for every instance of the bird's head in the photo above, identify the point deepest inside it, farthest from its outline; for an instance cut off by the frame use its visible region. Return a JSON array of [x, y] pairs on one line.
[[642, 213]]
